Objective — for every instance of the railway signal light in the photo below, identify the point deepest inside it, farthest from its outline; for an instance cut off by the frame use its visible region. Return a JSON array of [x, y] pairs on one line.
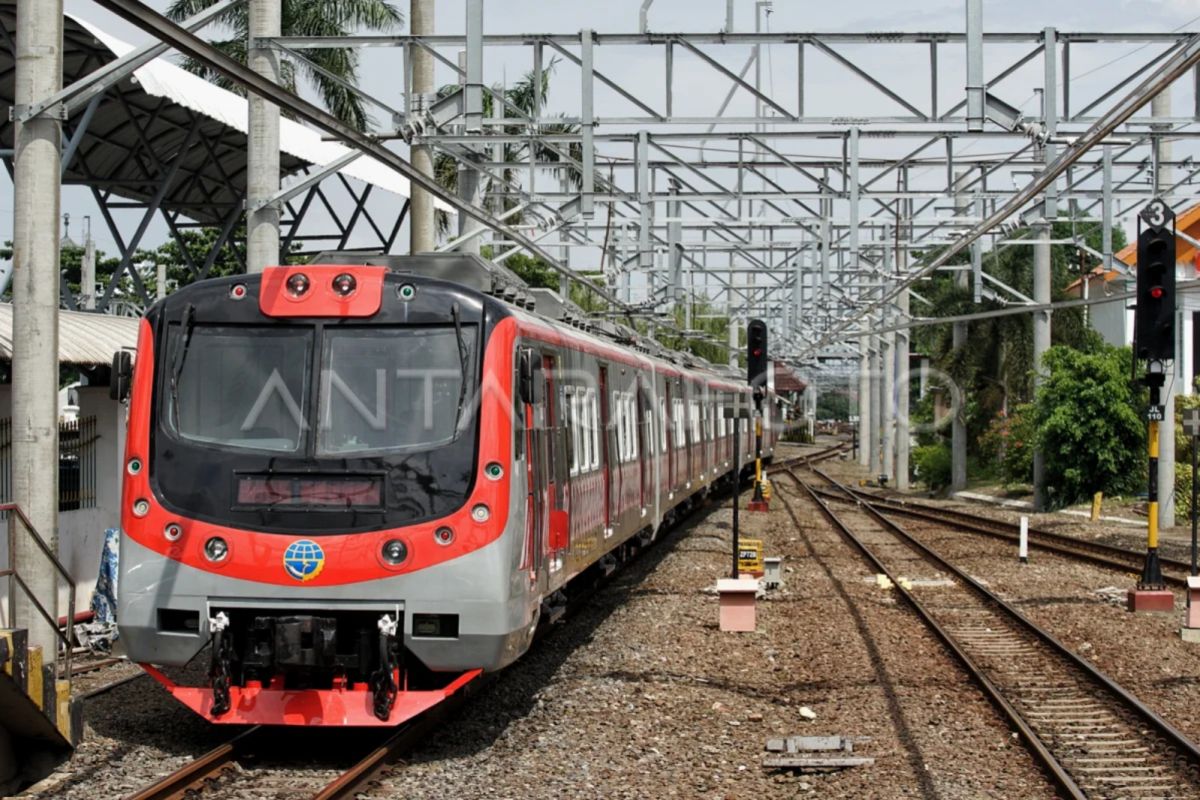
[[756, 353], [1154, 314]]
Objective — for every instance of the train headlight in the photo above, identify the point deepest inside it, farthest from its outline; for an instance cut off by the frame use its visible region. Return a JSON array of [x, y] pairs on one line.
[[443, 536], [344, 285], [394, 552], [481, 513], [173, 531], [141, 508], [494, 471], [297, 284], [216, 549]]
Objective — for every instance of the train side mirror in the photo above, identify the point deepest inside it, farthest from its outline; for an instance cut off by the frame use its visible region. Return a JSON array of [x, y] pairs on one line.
[[121, 378]]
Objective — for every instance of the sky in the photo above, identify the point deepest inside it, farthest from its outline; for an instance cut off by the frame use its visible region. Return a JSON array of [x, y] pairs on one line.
[[829, 89]]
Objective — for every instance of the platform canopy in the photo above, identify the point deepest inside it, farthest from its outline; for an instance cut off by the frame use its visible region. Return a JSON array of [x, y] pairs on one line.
[[83, 339], [159, 109]]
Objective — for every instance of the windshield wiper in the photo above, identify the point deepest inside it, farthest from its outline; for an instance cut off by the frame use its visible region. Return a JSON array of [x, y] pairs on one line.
[[188, 323], [463, 358]]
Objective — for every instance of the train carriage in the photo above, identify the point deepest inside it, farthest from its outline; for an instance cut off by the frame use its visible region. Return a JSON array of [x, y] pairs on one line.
[[352, 487]]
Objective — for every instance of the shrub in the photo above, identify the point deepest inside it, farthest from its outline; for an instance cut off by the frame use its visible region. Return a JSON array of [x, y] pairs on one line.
[[1091, 436], [933, 465]]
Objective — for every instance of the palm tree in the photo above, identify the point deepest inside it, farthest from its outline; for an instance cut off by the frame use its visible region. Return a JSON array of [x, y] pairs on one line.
[[304, 18]]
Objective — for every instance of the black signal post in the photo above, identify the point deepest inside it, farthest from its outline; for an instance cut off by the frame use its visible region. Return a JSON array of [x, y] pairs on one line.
[[757, 363], [1154, 342]]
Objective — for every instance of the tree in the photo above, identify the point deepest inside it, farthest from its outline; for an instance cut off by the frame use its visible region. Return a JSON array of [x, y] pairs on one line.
[[304, 18], [1091, 437], [995, 367]]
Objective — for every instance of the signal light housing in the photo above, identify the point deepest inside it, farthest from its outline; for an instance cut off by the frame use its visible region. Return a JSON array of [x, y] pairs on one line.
[[1154, 314], [756, 353]]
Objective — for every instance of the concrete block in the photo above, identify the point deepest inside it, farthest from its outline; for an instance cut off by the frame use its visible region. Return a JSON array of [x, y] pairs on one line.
[[738, 612], [1147, 601]]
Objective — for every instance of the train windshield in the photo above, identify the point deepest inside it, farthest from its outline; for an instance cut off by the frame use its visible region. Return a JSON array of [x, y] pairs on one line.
[[239, 387], [394, 388], [379, 390]]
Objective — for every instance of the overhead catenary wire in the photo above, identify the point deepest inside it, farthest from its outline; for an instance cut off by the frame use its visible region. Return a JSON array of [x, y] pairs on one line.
[[1175, 68]]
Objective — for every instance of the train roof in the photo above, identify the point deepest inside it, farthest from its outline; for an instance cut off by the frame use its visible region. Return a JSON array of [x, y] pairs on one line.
[[545, 305]]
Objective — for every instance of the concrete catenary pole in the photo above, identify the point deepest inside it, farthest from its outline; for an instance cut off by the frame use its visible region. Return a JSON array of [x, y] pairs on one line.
[[876, 427], [422, 232], [958, 340], [1041, 250], [864, 401], [903, 382], [36, 190], [262, 145], [1160, 106]]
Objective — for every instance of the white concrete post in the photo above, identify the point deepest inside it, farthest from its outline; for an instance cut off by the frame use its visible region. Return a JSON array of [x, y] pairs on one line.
[[422, 232], [36, 202], [262, 144]]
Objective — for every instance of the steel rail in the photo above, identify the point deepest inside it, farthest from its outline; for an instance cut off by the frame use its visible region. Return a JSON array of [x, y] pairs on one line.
[[1107, 555], [1179, 742], [198, 770], [1032, 741]]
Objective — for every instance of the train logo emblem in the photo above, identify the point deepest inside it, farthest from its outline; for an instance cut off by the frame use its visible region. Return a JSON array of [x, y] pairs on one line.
[[304, 559]]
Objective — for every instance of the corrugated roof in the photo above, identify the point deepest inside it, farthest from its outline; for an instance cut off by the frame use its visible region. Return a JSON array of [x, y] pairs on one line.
[[83, 338]]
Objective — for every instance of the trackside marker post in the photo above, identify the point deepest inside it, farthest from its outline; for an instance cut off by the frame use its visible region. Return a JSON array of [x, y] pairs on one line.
[[1023, 543]]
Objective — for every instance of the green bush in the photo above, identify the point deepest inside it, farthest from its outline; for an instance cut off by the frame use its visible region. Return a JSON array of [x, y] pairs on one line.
[[1091, 436], [1008, 443], [933, 465]]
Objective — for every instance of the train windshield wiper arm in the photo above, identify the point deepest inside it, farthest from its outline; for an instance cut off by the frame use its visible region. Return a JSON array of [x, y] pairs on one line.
[[187, 323], [464, 357]]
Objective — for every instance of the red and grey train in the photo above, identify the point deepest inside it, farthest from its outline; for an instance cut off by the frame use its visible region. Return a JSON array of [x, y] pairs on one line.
[[361, 485]]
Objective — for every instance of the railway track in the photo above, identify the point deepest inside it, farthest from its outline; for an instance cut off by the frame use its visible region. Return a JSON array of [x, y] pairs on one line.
[[1092, 737], [1175, 571]]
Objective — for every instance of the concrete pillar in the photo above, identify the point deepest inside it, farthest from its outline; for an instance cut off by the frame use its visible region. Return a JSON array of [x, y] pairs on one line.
[[36, 200], [1041, 342], [1160, 106], [470, 182], [958, 422], [958, 333], [262, 145], [864, 402], [1041, 250], [887, 391], [422, 232], [876, 429], [88, 272], [903, 390]]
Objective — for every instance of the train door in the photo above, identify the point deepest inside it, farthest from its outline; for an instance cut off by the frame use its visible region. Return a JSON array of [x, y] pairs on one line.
[[556, 464], [606, 460], [533, 417], [689, 430], [645, 443], [670, 426]]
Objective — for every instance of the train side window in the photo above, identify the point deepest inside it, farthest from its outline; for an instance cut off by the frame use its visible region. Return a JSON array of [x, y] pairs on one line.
[[662, 427], [572, 418], [593, 429]]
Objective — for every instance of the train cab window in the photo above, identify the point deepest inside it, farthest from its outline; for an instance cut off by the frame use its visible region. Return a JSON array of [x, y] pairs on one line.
[[394, 388], [239, 387]]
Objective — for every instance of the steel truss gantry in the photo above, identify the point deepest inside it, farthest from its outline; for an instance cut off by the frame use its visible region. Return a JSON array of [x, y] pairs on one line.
[[778, 203]]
